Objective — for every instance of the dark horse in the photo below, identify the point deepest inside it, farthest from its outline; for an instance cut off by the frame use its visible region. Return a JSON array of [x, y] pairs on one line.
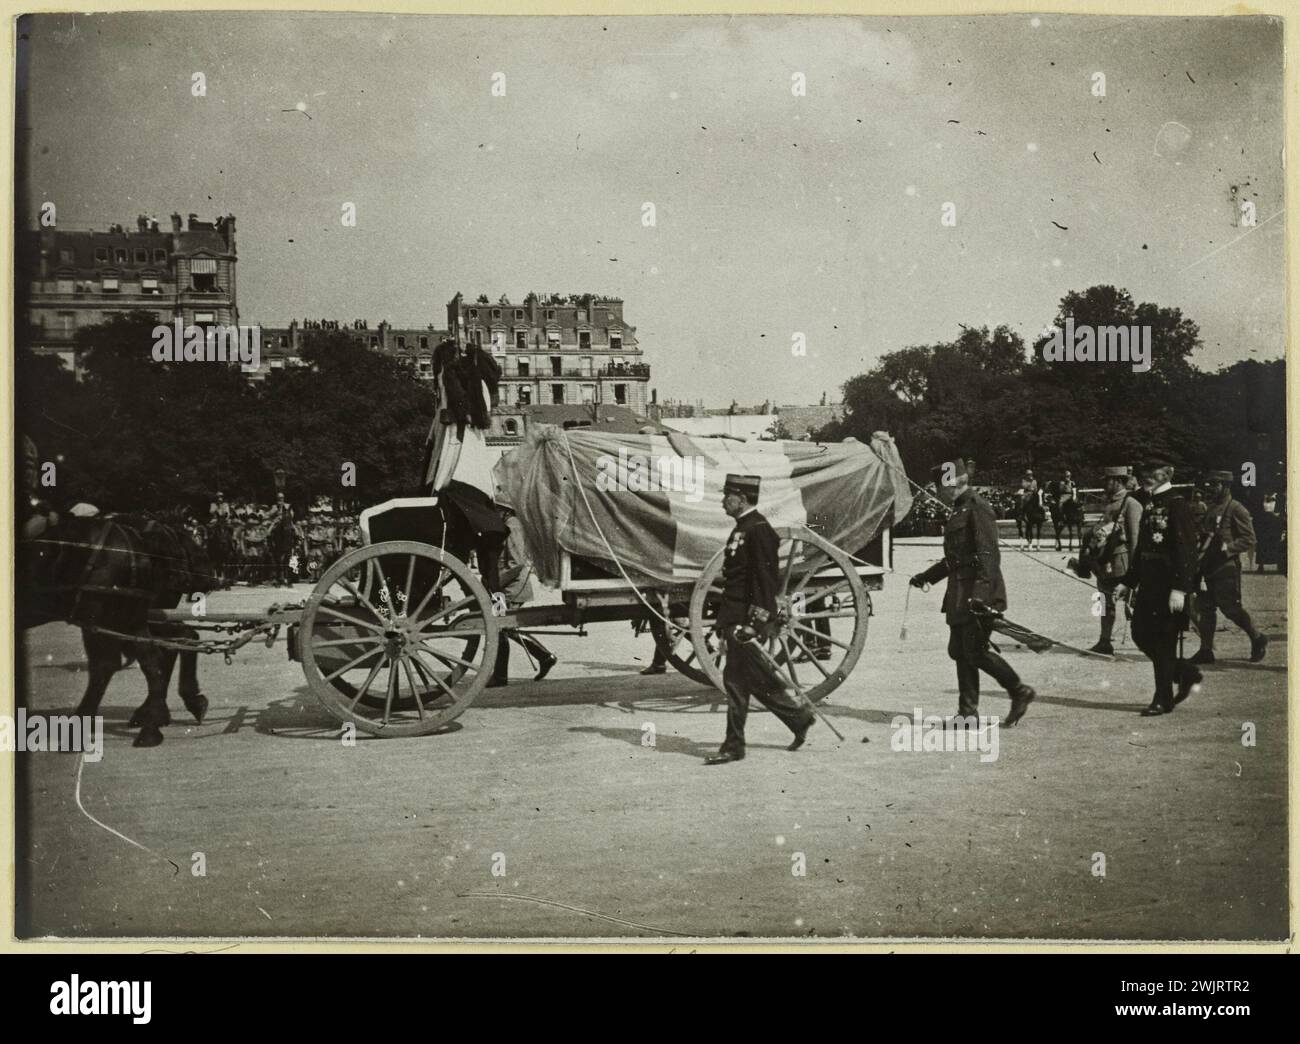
[[1066, 514], [220, 544], [108, 572]]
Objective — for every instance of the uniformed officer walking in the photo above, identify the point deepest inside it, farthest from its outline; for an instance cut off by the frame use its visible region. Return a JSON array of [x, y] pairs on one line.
[[748, 608], [1227, 532], [972, 565], [1161, 574], [1121, 521]]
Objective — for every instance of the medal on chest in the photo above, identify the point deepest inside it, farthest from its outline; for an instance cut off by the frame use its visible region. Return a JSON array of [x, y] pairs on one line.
[[735, 543]]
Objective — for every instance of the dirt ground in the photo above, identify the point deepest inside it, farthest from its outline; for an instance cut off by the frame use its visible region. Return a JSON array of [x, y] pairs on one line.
[[544, 813]]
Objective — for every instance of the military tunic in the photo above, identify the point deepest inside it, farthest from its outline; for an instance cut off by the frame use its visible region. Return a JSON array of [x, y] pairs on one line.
[[750, 578], [972, 565], [1227, 533], [1165, 561]]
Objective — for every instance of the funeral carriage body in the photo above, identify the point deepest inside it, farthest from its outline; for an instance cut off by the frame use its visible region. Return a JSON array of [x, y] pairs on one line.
[[399, 636]]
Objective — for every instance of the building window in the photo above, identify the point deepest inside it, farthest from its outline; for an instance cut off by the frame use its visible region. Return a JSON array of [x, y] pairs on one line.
[[512, 426], [553, 341], [615, 342], [65, 257], [67, 323], [620, 394], [478, 338], [585, 363], [521, 341], [284, 340], [523, 368], [424, 343], [110, 286], [119, 254], [426, 365], [525, 396], [160, 257], [588, 393], [557, 394], [496, 313], [203, 274], [101, 255], [148, 286], [374, 341], [519, 313], [141, 256], [401, 343], [557, 366], [582, 315], [473, 313], [584, 341], [550, 313]]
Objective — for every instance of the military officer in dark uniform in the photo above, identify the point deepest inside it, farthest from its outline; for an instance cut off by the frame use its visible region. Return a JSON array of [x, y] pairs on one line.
[[749, 584], [972, 565], [1227, 532], [1160, 575]]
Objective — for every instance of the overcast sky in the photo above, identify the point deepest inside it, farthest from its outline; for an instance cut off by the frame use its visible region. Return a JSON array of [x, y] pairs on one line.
[[775, 214]]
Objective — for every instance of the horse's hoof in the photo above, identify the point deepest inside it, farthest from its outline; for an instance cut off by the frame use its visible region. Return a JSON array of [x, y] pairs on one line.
[[197, 705], [142, 717], [150, 736]]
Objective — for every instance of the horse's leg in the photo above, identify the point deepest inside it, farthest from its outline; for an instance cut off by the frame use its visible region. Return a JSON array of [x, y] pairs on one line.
[[152, 715], [188, 682], [103, 657]]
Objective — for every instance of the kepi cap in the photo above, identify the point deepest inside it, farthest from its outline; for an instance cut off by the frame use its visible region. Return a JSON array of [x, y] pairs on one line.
[[743, 484], [1220, 476]]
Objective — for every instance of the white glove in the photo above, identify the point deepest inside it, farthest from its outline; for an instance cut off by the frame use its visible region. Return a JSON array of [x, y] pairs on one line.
[[1176, 601]]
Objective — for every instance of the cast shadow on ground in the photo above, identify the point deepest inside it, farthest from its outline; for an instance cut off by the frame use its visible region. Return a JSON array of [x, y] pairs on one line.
[[664, 744]]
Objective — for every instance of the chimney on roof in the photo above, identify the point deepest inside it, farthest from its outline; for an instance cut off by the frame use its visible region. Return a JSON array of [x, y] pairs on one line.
[[229, 231], [176, 222], [193, 218], [141, 223]]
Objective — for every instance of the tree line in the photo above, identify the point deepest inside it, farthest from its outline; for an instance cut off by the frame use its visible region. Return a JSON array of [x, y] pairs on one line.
[[989, 396], [135, 434]]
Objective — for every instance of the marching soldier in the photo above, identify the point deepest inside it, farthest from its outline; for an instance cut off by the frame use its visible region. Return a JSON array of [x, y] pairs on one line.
[[1160, 575], [1227, 532], [1121, 520], [749, 585], [972, 565]]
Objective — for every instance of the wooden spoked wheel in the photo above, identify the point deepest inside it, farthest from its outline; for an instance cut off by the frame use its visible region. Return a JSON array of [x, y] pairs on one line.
[[821, 624], [398, 638]]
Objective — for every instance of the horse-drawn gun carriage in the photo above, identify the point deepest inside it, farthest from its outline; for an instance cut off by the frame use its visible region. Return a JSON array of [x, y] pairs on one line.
[[399, 636]]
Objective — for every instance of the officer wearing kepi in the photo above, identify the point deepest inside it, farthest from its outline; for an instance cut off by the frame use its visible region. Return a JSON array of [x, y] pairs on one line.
[[748, 610], [1227, 532], [972, 565], [1113, 544], [1161, 574]]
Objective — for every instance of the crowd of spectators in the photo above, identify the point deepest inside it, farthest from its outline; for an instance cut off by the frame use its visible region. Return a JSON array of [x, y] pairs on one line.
[[320, 535]]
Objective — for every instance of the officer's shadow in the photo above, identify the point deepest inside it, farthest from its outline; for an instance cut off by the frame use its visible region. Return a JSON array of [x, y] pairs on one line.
[[663, 744]]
